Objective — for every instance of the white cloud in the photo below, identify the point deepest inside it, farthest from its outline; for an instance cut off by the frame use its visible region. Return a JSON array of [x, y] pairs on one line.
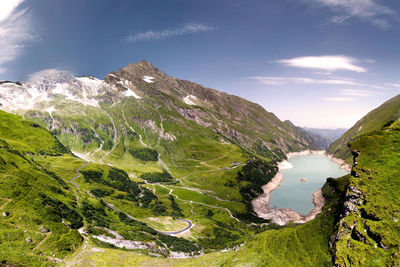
[[366, 10], [328, 63], [339, 99], [168, 33], [351, 92], [7, 7], [15, 28], [397, 85], [271, 80]]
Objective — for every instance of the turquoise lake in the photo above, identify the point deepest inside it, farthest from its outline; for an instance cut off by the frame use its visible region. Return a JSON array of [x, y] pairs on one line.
[[294, 194]]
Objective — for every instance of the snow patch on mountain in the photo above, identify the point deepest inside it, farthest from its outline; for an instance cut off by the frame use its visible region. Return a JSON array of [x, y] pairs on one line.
[[129, 92], [148, 79], [14, 97], [47, 86], [189, 100], [82, 94], [91, 82]]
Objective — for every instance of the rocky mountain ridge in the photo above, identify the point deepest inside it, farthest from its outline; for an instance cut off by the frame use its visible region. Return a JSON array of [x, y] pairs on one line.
[[239, 121]]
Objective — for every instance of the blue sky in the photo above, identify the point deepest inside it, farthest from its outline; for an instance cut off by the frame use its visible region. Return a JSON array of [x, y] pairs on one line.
[[319, 63]]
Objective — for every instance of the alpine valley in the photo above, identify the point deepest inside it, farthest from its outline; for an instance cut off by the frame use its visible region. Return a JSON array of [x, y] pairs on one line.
[[145, 169]]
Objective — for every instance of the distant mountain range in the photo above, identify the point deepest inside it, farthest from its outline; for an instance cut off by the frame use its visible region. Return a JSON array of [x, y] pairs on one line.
[[330, 134]]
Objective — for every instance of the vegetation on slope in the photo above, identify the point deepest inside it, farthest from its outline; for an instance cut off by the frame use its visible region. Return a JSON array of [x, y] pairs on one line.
[[369, 232], [39, 215], [42, 208], [374, 120]]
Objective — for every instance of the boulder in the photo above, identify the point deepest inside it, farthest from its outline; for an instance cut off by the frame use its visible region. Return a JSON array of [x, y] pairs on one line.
[[43, 229]]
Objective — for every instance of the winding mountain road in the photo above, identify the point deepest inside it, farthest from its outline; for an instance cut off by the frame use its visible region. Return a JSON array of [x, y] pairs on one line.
[[190, 225], [200, 203], [78, 174]]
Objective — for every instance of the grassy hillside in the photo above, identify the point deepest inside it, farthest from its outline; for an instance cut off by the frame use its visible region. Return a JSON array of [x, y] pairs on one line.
[[39, 218], [369, 232], [42, 206], [374, 120]]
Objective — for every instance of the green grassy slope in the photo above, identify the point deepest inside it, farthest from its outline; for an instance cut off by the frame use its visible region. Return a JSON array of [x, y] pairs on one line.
[[42, 210], [369, 232], [374, 120], [35, 201]]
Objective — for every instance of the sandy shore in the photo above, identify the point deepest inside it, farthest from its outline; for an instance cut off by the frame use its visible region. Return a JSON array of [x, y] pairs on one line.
[[343, 165], [284, 215]]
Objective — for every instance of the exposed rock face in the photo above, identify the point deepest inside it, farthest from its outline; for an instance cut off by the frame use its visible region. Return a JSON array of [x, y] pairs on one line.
[[351, 206], [237, 119], [11, 82]]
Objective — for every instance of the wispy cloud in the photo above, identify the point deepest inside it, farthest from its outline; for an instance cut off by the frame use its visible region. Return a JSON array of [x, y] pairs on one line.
[[327, 63], [15, 31], [367, 10], [151, 35], [397, 85], [339, 99], [352, 92], [272, 80], [49, 74]]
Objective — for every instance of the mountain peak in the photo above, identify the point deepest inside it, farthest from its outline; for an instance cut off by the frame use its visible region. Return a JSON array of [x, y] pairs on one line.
[[143, 63], [142, 68]]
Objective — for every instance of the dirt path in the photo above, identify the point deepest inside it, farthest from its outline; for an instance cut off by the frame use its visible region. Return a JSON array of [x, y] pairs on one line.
[[42, 241], [78, 174], [190, 225], [8, 200]]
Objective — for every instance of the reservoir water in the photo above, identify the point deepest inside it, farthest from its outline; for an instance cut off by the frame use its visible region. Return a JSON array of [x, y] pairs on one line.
[[308, 174]]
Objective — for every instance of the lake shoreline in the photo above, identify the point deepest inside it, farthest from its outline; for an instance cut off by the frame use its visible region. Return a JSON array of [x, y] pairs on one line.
[[282, 216]]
